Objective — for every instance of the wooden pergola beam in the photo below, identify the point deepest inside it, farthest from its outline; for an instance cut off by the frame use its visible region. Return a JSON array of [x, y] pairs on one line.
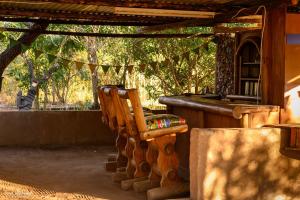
[[254, 19], [219, 18], [144, 4], [84, 16], [222, 29], [77, 22], [109, 35], [208, 22]]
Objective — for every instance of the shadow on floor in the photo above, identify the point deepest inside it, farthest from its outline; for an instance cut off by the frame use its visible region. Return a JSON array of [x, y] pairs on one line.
[[68, 173]]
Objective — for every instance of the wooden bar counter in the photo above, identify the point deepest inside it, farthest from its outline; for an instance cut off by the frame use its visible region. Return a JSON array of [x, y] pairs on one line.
[[205, 111]]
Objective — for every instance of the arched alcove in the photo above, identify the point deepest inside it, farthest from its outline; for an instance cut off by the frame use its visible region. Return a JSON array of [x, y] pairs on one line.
[[248, 67]]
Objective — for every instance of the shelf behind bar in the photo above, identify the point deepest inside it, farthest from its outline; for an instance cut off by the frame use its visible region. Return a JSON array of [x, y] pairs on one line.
[[250, 63], [249, 79]]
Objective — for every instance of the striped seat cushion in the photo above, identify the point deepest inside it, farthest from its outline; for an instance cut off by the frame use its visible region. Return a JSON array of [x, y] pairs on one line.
[[163, 121]]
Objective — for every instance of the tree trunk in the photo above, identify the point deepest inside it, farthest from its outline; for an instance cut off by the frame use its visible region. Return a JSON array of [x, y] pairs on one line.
[[45, 98], [92, 58], [53, 93], [225, 66], [123, 79], [27, 39], [37, 99]]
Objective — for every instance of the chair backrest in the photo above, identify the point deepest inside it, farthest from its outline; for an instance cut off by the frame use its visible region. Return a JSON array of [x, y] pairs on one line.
[[117, 103], [135, 124], [107, 107], [102, 105]]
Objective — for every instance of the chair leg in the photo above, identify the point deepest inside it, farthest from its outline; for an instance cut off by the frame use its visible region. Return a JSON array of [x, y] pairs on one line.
[[167, 161], [152, 155], [120, 144], [153, 179], [142, 167], [129, 154], [136, 152], [137, 168]]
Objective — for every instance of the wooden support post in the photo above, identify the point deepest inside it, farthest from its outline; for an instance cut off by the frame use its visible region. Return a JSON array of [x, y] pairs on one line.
[[273, 56]]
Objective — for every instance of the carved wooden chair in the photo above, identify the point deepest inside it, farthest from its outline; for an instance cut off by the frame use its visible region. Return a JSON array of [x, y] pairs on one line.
[[160, 133], [109, 117], [136, 148]]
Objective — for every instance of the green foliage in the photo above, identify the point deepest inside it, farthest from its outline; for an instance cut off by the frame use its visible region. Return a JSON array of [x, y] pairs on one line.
[[42, 57], [177, 65], [21, 76], [173, 66]]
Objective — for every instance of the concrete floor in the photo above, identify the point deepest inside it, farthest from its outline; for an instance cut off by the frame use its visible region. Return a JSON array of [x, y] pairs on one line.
[[68, 173]]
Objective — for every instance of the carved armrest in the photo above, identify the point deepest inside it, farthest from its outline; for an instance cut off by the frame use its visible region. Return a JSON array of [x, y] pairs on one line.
[[148, 135]]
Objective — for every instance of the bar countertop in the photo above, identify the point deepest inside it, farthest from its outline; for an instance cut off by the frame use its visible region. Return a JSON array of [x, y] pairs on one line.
[[209, 104]]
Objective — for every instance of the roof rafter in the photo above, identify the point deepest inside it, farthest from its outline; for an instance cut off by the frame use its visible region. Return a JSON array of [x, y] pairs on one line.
[[108, 35], [77, 22], [219, 18], [177, 5], [162, 14], [82, 16]]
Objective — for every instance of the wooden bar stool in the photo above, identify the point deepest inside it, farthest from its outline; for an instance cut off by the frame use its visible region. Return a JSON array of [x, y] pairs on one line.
[[160, 133], [137, 167], [110, 119]]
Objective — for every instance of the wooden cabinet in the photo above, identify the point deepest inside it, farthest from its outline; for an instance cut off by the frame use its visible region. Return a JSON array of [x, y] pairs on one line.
[[247, 64]]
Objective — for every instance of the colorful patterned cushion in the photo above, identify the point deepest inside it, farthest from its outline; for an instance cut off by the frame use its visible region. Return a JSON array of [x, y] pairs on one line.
[[163, 121]]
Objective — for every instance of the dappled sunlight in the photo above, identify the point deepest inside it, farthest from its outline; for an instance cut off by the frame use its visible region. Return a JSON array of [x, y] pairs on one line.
[[249, 166], [292, 109], [294, 79]]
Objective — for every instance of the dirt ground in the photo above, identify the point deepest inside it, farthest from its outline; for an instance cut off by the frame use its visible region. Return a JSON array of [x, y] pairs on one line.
[[68, 173]]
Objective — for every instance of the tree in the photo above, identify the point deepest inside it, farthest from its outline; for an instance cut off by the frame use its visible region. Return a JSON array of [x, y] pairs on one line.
[[93, 60], [44, 62], [171, 66], [178, 65], [27, 39]]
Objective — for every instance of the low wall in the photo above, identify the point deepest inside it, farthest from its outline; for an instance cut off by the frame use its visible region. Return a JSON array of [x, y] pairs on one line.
[[53, 128], [241, 164]]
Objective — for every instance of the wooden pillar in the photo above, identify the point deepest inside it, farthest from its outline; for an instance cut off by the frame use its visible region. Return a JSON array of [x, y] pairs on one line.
[[273, 56]]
